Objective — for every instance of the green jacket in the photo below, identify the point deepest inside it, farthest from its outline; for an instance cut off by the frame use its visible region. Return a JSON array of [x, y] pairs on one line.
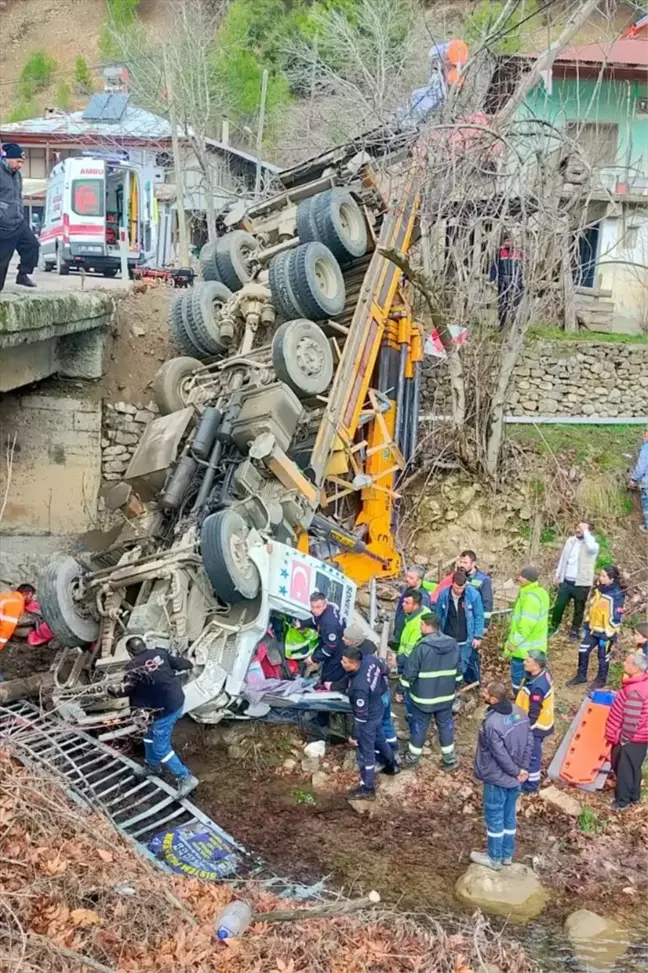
[[410, 635], [529, 624]]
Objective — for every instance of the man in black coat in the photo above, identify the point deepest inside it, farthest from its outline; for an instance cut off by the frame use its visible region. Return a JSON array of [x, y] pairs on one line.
[[15, 233]]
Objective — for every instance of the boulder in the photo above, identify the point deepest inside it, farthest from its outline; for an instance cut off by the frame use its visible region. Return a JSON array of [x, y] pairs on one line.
[[514, 892], [564, 802], [319, 781], [597, 942]]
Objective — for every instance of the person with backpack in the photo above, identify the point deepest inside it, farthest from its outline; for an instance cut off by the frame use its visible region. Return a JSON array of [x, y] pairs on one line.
[[602, 623]]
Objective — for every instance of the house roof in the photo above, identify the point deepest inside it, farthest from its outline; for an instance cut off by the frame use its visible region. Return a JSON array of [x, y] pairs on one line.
[[629, 52]]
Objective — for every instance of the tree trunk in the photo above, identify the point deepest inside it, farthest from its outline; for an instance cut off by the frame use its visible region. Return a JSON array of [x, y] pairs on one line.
[[27, 686], [511, 349]]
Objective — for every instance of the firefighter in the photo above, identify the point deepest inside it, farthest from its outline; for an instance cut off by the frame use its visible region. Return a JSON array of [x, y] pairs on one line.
[[12, 606], [536, 698], [367, 688], [330, 629], [150, 682]]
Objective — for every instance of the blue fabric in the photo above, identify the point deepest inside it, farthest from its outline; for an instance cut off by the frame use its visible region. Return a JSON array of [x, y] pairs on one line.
[[644, 504], [371, 741], [500, 808], [640, 473], [158, 749], [388, 728], [419, 724], [603, 647], [470, 664], [473, 606], [504, 745], [517, 673], [535, 763]]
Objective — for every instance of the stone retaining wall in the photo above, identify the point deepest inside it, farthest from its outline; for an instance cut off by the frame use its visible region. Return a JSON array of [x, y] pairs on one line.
[[563, 378], [123, 425]]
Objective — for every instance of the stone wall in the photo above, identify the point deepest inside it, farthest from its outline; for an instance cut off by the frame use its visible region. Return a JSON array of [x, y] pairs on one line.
[[563, 378], [123, 426]]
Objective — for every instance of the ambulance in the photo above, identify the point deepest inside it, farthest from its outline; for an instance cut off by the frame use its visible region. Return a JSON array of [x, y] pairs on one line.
[[91, 201]]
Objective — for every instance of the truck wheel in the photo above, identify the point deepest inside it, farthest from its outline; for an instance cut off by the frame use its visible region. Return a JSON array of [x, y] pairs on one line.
[[62, 266], [282, 294], [208, 262], [302, 357], [233, 258], [306, 227], [69, 618], [232, 573], [179, 328], [316, 281], [340, 224], [170, 384], [202, 307], [110, 272]]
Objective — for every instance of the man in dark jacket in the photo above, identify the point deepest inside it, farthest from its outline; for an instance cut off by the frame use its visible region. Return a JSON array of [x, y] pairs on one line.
[[502, 760], [150, 682], [329, 628], [367, 687], [15, 233], [432, 674]]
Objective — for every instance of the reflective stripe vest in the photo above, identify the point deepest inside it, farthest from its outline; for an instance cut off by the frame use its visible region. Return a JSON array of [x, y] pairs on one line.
[[410, 635], [527, 700], [529, 622], [605, 610], [12, 606], [299, 643]]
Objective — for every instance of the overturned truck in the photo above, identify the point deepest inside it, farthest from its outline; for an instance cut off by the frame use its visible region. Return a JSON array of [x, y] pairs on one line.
[[285, 425]]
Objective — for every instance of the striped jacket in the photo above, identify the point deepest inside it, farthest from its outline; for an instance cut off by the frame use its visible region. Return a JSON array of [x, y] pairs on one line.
[[432, 672], [627, 721], [529, 622]]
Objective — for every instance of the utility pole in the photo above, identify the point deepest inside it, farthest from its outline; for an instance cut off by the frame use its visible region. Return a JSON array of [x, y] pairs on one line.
[[259, 141], [180, 200]]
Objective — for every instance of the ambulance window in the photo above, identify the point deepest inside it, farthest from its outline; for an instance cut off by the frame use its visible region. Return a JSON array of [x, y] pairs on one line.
[[88, 197]]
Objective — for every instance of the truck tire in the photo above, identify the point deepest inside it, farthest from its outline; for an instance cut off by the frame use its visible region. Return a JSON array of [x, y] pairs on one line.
[[282, 294], [62, 266], [208, 262], [169, 382], [70, 621], [316, 281], [178, 327], [202, 307], [306, 228], [302, 357], [191, 345], [340, 224], [231, 572], [232, 257]]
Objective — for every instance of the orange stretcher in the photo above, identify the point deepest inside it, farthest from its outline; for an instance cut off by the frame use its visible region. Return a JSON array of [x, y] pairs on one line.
[[583, 757]]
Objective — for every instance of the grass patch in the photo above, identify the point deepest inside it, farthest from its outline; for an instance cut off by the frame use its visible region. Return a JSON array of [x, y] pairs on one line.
[[605, 554], [304, 797], [615, 675], [600, 446], [36, 74], [589, 822], [603, 495], [548, 535], [548, 332]]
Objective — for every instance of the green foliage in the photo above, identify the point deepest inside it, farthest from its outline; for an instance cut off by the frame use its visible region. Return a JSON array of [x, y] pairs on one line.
[[303, 797], [63, 96], [548, 535], [108, 46], [605, 554], [599, 447], [83, 75], [122, 12], [26, 108], [36, 74], [549, 332], [480, 23], [615, 675], [589, 822]]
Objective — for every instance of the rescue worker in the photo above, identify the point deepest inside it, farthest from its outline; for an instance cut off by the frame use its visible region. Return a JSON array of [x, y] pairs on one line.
[[299, 644], [627, 730], [411, 631], [12, 606], [575, 577], [432, 674], [501, 762], [602, 623], [467, 562], [536, 698], [15, 232], [150, 682], [529, 624], [367, 687], [461, 614], [413, 582], [329, 628]]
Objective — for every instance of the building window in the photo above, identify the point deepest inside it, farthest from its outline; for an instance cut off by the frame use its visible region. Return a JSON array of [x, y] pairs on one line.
[[34, 167], [598, 141]]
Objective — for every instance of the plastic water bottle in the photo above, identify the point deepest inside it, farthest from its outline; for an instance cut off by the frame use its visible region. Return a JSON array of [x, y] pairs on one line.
[[233, 920]]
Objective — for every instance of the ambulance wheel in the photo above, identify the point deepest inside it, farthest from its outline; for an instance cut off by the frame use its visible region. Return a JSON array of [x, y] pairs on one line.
[[316, 281], [170, 389], [62, 266], [233, 258], [231, 571], [70, 618], [302, 357]]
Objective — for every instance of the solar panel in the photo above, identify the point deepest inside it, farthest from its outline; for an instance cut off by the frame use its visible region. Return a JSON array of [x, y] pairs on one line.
[[105, 107]]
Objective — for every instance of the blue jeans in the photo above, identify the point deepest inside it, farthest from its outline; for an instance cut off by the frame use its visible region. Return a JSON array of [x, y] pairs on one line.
[[388, 728], [470, 667], [158, 749], [517, 673], [644, 503], [500, 806]]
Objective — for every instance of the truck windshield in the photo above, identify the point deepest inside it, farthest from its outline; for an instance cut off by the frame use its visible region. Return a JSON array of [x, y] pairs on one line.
[[88, 197]]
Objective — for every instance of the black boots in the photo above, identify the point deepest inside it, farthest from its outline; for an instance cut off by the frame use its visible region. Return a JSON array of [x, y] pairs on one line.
[[25, 281]]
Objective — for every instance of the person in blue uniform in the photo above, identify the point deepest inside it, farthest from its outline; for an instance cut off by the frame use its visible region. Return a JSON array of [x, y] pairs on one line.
[[367, 687], [326, 622]]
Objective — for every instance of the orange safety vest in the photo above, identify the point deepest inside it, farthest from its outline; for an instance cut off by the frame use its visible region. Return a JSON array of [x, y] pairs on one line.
[[12, 606]]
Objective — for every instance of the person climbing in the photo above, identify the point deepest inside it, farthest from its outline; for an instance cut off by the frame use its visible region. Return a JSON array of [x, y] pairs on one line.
[[639, 478], [602, 622], [536, 698], [431, 676], [528, 629], [575, 577], [626, 730], [367, 687], [151, 682], [12, 606]]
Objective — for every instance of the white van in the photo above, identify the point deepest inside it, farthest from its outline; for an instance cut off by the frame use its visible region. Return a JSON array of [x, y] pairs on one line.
[[89, 200]]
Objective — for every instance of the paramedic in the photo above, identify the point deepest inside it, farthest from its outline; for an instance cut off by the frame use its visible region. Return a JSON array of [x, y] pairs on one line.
[[536, 698], [15, 232], [329, 628], [150, 682], [367, 688]]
